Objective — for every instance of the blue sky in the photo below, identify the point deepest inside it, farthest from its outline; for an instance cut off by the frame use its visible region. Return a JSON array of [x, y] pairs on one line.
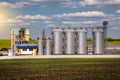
[[44, 14]]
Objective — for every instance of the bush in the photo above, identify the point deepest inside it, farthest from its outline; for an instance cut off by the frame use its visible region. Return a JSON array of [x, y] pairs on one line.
[[4, 49]]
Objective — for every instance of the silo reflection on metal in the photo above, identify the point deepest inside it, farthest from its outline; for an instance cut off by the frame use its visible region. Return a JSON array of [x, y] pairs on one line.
[[70, 41], [58, 41], [81, 41], [48, 47], [40, 47], [98, 41]]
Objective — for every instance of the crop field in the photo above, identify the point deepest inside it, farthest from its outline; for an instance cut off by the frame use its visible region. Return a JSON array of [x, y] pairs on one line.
[[4, 43], [60, 69]]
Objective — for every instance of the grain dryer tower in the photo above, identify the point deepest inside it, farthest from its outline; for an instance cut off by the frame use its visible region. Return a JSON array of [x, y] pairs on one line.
[[57, 41], [81, 41], [98, 41], [42, 44], [70, 41]]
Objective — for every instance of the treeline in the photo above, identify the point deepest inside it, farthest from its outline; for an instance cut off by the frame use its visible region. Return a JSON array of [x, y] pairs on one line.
[[108, 39], [4, 49], [111, 39]]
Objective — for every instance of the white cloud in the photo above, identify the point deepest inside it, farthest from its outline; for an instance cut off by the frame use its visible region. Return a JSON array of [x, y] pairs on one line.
[[24, 24], [98, 2], [116, 28], [33, 21], [48, 22], [69, 4], [67, 22], [31, 17], [14, 21], [112, 2], [118, 11], [16, 5], [81, 14], [11, 21], [88, 2], [6, 4], [58, 3], [82, 22], [41, 3], [51, 25]]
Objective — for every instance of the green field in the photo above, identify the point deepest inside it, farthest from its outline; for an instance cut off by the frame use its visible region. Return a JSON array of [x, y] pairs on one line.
[[114, 42], [4, 43], [108, 42], [60, 69]]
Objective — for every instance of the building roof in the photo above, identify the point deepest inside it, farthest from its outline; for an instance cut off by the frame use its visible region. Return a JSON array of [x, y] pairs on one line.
[[27, 47], [16, 31]]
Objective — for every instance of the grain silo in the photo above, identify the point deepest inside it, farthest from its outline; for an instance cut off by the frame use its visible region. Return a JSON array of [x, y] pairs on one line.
[[40, 47], [98, 41], [81, 41], [69, 41], [57, 41], [48, 47]]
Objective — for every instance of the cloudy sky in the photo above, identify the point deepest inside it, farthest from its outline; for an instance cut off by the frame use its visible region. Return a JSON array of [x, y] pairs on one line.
[[44, 14]]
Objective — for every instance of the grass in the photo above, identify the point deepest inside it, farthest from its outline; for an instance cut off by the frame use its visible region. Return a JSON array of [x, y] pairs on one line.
[[60, 69], [88, 42], [108, 42], [33, 41], [114, 42], [4, 43]]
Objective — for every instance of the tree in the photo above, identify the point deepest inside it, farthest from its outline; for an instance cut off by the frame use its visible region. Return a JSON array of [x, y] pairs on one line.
[[4, 49]]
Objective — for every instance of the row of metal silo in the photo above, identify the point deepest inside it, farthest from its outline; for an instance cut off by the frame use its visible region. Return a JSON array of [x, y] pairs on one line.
[[74, 41], [71, 41]]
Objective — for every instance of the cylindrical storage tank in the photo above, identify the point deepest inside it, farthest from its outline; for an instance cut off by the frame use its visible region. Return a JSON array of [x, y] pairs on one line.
[[48, 47], [98, 41], [40, 47], [70, 41], [57, 41], [81, 41]]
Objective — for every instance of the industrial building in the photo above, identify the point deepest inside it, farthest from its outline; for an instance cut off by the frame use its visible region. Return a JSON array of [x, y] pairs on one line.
[[20, 42], [73, 41], [64, 41], [19, 34]]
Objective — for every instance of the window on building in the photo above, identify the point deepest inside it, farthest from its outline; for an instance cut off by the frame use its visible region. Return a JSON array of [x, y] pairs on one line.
[[24, 49], [30, 49]]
